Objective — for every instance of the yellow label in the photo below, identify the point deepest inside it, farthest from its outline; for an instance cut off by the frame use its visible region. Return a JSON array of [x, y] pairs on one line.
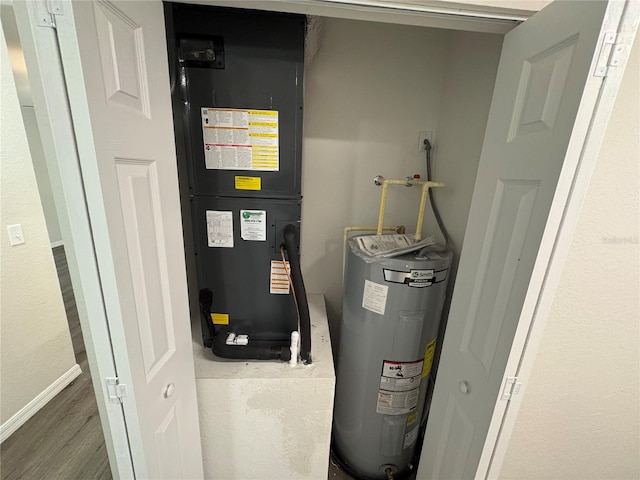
[[429, 352], [263, 124], [264, 135], [412, 418], [248, 183], [220, 318], [272, 113]]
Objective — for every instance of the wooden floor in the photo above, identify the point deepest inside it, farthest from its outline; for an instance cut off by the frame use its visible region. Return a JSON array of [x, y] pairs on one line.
[[63, 440]]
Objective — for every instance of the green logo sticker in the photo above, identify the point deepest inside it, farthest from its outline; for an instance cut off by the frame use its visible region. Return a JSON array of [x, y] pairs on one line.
[[248, 215]]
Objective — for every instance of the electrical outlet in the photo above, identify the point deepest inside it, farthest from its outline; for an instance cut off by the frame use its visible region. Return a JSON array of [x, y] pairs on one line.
[[424, 135], [16, 237]]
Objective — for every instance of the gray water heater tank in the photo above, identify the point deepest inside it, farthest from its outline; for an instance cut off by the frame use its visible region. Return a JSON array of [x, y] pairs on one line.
[[390, 316]]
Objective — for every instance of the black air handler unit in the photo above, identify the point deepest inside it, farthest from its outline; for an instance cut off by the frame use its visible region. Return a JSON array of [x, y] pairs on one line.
[[237, 99]]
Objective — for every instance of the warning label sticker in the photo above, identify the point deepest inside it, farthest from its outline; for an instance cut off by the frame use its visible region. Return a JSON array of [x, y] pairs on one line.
[[397, 403], [219, 229], [239, 139], [279, 282], [220, 318], [401, 369], [410, 438], [399, 387], [374, 297], [429, 352], [411, 419]]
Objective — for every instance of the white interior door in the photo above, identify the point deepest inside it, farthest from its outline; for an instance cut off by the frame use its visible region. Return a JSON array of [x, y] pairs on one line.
[[115, 62], [544, 99]]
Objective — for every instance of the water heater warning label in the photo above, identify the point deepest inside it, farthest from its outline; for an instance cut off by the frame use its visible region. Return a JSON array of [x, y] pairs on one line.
[[398, 403], [238, 139], [399, 387]]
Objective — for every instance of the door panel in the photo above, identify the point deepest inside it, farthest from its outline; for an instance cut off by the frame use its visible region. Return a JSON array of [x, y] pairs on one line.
[[545, 66], [139, 200], [121, 46], [509, 219], [110, 52]]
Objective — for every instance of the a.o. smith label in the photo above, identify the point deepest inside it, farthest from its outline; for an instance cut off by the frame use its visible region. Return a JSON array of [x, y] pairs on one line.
[[415, 278]]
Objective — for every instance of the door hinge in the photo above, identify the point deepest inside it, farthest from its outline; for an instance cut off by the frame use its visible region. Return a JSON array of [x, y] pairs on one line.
[[511, 388], [611, 54], [116, 390], [46, 11]]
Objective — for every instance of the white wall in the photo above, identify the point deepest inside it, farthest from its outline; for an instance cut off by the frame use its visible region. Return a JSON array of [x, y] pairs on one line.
[[35, 344], [16, 59], [580, 416], [42, 175], [369, 91]]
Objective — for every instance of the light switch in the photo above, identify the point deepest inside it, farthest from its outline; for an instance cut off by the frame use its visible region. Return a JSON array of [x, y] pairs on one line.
[[15, 234]]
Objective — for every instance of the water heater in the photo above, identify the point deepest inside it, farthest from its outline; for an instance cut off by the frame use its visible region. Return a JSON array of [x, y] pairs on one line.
[[390, 316]]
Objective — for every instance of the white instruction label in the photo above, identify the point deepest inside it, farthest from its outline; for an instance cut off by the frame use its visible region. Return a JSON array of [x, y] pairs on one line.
[[253, 225], [410, 438], [220, 229], [374, 297], [377, 244], [397, 403], [239, 139], [279, 281]]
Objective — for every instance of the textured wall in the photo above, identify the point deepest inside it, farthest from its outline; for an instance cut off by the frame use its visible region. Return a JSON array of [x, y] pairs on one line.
[[580, 417], [35, 344]]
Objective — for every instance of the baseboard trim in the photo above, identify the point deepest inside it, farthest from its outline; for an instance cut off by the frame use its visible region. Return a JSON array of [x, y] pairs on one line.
[[31, 408], [59, 243]]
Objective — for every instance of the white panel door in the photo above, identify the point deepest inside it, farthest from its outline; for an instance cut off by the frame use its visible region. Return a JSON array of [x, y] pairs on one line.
[[544, 98], [115, 62]]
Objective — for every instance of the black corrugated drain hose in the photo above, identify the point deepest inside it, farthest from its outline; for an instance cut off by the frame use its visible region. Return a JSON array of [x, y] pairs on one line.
[[290, 243]]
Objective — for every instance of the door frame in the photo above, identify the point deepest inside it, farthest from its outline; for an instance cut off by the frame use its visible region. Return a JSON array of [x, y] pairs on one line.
[[39, 41], [59, 139]]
